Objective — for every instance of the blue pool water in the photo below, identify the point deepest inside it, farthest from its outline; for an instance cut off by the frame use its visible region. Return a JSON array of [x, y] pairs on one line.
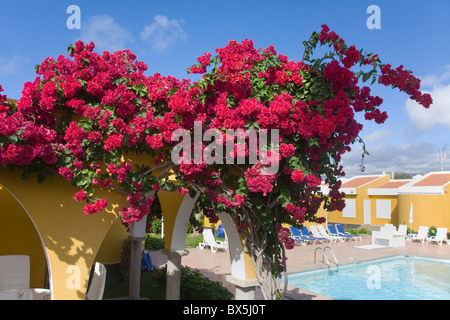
[[396, 278]]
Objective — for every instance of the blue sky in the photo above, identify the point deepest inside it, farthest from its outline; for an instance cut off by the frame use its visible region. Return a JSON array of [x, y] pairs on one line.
[[170, 35]]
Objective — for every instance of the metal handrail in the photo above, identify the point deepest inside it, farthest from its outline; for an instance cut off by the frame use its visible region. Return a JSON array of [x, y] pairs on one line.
[[324, 257]]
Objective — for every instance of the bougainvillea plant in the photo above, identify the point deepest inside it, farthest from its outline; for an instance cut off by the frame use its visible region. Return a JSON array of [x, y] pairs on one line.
[[83, 116], [311, 104]]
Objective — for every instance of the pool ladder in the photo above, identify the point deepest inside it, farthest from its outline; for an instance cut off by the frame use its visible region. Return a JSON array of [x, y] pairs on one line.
[[325, 259]]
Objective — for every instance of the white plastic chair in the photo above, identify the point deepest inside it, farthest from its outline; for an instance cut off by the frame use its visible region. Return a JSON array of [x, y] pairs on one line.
[[402, 229], [14, 272], [210, 241], [97, 287], [421, 234], [15, 280], [440, 237]]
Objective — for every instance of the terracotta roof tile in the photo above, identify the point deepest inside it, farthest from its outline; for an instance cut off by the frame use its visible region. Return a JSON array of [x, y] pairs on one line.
[[437, 179], [357, 182], [394, 184]]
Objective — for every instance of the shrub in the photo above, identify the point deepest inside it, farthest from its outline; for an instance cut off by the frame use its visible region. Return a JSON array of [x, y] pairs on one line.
[[153, 243], [156, 226]]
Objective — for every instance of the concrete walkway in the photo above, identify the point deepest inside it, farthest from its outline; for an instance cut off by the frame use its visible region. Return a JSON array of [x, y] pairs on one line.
[[217, 265]]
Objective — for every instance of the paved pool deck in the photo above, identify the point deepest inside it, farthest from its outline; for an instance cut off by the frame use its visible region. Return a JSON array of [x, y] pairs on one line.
[[217, 265]]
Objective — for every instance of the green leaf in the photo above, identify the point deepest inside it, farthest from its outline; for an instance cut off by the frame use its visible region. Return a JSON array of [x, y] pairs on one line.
[[71, 49], [366, 77], [192, 193]]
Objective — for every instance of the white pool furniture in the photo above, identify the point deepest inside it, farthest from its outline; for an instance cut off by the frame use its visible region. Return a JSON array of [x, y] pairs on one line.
[[388, 236], [421, 235], [15, 280], [440, 237], [210, 241], [341, 231], [402, 230], [316, 233]]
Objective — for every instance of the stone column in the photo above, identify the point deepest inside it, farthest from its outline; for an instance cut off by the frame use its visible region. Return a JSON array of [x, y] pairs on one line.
[[136, 236], [245, 289], [174, 274], [134, 289]]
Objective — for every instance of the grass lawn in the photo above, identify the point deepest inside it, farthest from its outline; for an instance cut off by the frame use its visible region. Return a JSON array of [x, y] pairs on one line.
[[152, 287]]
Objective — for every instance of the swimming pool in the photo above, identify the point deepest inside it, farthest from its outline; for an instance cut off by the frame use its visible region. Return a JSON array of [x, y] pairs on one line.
[[396, 278]]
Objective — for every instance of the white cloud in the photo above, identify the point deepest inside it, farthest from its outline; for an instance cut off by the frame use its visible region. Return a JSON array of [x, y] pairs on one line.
[[164, 33], [10, 66], [415, 158], [378, 135], [106, 33], [438, 113], [433, 80]]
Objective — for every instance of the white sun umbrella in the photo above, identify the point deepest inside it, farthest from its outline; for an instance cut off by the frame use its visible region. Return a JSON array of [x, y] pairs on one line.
[[410, 218]]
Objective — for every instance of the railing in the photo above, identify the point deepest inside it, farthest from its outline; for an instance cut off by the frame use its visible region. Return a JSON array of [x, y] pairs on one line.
[[325, 259]]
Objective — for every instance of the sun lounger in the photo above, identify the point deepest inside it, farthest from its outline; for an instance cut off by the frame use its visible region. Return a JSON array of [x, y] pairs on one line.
[[305, 233], [420, 236], [316, 233], [297, 236], [209, 241], [440, 237], [341, 231], [332, 230], [325, 232]]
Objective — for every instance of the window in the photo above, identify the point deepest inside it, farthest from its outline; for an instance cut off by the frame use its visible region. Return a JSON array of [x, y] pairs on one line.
[[384, 209], [350, 209]]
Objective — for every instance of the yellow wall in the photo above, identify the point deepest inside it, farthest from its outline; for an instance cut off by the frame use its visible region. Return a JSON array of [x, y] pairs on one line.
[[428, 210], [111, 247], [71, 238], [18, 236], [170, 203], [394, 210], [336, 216], [360, 196]]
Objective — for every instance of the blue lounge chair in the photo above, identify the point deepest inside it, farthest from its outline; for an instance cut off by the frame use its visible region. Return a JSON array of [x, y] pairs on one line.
[[333, 232], [297, 236], [307, 235], [341, 231]]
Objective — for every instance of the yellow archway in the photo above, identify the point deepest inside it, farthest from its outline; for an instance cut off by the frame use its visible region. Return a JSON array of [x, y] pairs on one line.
[[66, 242], [71, 240]]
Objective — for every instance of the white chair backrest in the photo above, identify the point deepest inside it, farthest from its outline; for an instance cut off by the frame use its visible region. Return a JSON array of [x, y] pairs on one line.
[[97, 287], [208, 236], [14, 272], [321, 229], [441, 233], [314, 230], [402, 229], [422, 231]]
